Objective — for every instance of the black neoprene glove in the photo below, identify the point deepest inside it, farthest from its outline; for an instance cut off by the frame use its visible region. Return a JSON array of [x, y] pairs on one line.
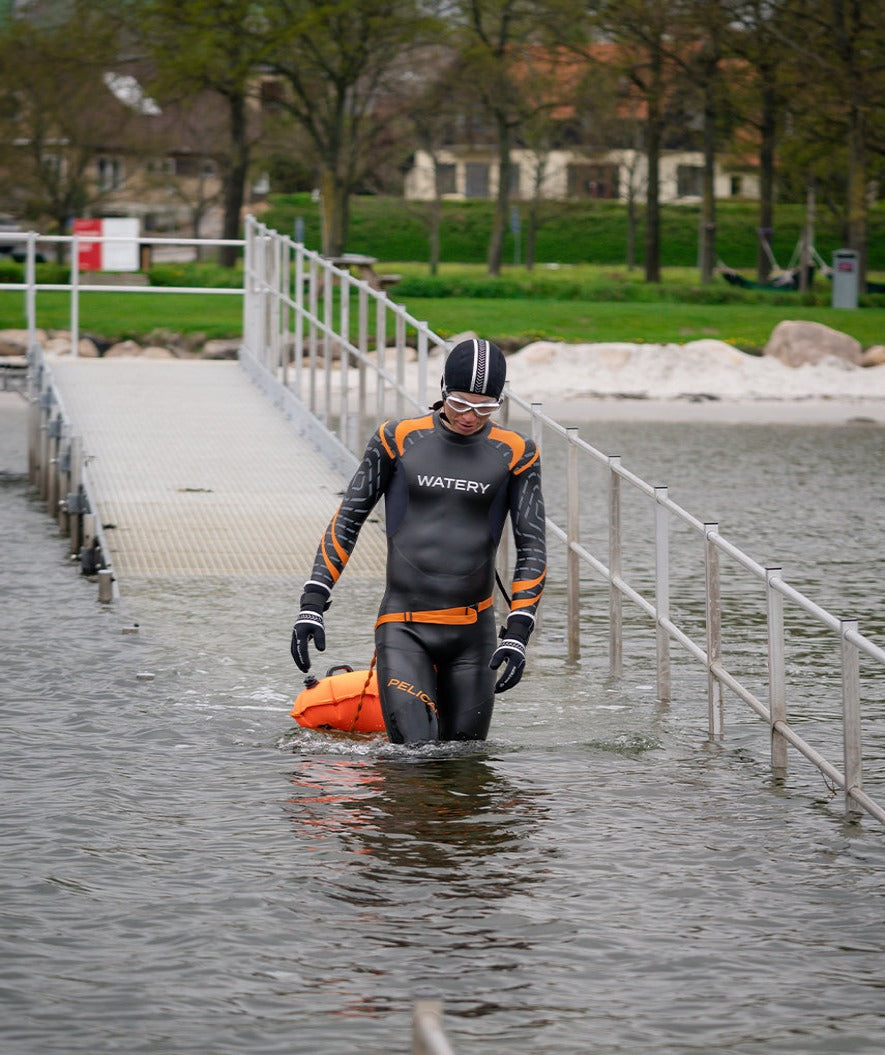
[[511, 651], [309, 627]]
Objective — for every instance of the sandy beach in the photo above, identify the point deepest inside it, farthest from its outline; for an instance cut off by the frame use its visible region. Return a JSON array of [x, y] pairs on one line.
[[706, 381]]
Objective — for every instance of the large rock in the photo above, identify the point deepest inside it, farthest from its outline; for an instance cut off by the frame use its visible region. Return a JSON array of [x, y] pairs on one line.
[[221, 349], [798, 343], [60, 344], [123, 350], [874, 356], [15, 342]]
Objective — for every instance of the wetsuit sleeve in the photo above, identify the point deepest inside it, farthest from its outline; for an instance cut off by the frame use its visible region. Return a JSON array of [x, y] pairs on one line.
[[365, 488], [528, 520]]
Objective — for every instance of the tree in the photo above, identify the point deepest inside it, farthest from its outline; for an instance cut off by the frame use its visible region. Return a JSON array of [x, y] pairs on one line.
[[56, 115], [495, 42], [344, 64], [641, 29], [699, 52], [757, 39], [839, 69], [213, 46]]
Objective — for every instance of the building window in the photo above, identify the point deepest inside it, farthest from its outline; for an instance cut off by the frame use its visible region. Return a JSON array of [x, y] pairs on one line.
[[476, 179], [689, 181], [593, 181], [271, 94], [110, 173], [445, 179], [161, 166]]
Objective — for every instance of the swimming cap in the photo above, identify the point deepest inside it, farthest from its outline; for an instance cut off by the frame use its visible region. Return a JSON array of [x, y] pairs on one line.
[[475, 366]]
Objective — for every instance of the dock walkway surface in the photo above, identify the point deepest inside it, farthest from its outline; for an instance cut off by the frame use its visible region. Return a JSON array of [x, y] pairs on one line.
[[195, 473]]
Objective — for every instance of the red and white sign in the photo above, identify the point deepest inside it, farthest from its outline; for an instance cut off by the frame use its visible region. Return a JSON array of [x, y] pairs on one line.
[[113, 245]]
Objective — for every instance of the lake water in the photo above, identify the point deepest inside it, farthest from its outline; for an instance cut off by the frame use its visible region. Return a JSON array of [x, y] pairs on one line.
[[186, 871]]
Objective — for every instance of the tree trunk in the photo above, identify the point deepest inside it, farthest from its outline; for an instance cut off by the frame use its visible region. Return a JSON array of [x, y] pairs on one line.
[[234, 181], [857, 193], [768, 138], [652, 193], [502, 206], [708, 210]]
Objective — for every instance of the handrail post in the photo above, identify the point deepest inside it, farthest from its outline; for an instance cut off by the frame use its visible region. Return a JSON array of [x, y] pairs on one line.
[[428, 1036], [75, 296], [328, 308], [344, 360], [715, 716], [422, 361], [851, 734], [299, 317], [312, 334], [662, 592], [31, 295], [400, 362], [615, 599], [538, 437], [363, 344], [777, 685], [572, 540]]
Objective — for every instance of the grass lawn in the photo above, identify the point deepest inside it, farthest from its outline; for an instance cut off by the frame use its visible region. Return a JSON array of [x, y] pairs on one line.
[[577, 303], [744, 326]]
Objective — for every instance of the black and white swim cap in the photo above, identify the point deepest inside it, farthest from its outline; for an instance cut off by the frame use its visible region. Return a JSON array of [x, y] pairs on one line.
[[475, 366]]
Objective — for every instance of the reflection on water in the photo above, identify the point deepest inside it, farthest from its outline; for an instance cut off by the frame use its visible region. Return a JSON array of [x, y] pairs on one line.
[[452, 817]]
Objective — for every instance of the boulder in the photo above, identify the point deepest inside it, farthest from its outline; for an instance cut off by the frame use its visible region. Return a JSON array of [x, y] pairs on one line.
[[123, 350], [156, 351], [874, 356], [221, 349], [797, 343], [60, 344], [15, 342]]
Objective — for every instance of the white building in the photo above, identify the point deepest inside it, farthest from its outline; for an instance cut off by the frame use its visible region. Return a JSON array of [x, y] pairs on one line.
[[571, 175]]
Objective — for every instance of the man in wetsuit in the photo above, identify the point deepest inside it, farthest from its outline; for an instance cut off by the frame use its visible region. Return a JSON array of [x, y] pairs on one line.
[[449, 479]]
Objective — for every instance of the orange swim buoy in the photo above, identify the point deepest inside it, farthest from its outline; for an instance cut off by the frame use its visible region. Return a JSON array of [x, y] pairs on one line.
[[341, 700]]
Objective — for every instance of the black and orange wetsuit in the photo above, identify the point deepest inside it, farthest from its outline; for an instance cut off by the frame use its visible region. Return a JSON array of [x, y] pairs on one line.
[[447, 497]]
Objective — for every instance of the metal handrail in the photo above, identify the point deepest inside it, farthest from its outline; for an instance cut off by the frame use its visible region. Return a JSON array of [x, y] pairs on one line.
[[300, 341], [318, 339], [31, 287]]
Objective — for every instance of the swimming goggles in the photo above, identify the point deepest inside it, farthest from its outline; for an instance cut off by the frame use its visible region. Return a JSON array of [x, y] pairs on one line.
[[461, 406]]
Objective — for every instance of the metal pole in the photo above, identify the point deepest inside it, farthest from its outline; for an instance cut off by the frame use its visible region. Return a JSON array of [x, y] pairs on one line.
[[777, 685], [105, 585], [422, 362], [573, 532], [299, 316], [428, 1037], [400, 363], [715, 717], [363, 339], [380, 353], [538, 437], [344, 360], [615, 599], [75, 296], [662, 592], [852, 748], [328, 305], [31, 297]]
